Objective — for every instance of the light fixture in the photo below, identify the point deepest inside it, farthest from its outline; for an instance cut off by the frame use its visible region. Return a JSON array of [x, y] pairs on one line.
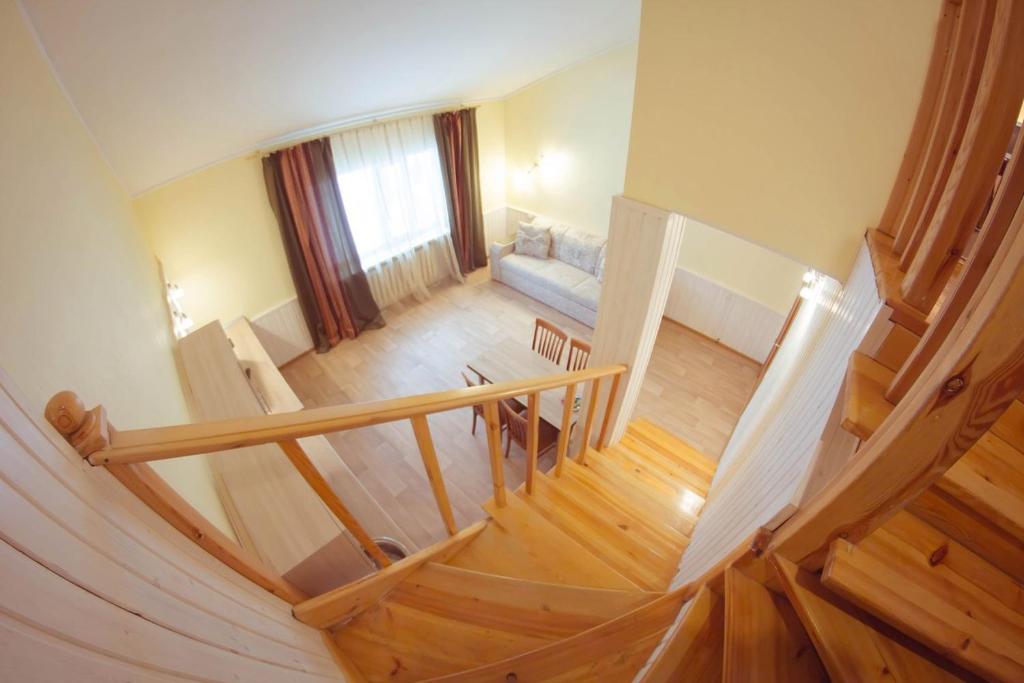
[[180, 320]]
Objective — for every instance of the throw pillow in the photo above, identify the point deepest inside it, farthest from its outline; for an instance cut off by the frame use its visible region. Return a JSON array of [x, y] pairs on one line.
[[533, 241], [580, 249]]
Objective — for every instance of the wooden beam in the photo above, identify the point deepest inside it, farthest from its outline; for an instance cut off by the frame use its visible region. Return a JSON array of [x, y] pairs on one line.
[[421, 429], [982, 256], [926, 110], [316, 481], [952, 110], [973, 378], [602, 437], [972, 178]]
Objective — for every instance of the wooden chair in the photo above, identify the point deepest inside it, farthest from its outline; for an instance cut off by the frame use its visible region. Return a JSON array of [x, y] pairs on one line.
[[478, 409], [579, 355], [548, 340], [518, 424]]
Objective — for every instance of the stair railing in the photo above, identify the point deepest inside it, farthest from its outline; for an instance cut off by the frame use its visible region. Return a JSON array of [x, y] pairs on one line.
[[125, 453]]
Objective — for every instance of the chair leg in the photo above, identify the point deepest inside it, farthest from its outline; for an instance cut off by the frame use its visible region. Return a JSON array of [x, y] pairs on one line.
[[475, 416], [508, 442]]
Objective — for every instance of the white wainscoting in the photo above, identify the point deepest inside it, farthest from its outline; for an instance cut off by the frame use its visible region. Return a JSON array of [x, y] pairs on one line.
[[760, 475], [742, 324], [282, 331], [495, 225]]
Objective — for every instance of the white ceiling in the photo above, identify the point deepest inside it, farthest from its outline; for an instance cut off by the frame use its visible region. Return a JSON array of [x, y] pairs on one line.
[[169, 86]]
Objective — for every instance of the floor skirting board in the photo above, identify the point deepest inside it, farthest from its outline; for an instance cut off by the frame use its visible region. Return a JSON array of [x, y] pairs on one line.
[[717, 312]]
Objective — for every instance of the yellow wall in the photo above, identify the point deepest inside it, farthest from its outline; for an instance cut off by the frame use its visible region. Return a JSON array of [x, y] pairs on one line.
[[579, 118], [783, 122], [745, 268], [218, 239], [81, 304], [490, 131]]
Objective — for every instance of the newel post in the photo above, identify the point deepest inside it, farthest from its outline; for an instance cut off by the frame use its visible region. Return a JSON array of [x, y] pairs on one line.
[[86, 430]]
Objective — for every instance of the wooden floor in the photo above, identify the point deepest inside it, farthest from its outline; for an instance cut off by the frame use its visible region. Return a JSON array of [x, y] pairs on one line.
[[694, 388]]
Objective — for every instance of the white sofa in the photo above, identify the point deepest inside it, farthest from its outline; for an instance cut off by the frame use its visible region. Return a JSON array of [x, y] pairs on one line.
[[568, 280]]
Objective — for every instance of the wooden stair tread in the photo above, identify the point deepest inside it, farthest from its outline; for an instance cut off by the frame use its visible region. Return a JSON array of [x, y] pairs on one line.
[[932, 588], [444, 619], [632, 497], [393, 642], [1010, 426], [521, 543], [889, 278], [764, 639], [607, 467], [970, 529], [613, 651], [674, 470], [853, 645], [671, 446], [864, 404], [989, 478], [648, 567], [605, 501], [547, 610], [635, 468], [694, 653]]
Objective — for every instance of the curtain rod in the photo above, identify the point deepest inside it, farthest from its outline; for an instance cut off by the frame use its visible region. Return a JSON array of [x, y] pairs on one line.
[[292, 139]]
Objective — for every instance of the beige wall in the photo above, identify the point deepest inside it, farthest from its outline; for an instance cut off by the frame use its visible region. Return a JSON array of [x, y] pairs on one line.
[[783, 122], [490, 124], [579, 120], [747, 269], [82, 303], [217, 238]]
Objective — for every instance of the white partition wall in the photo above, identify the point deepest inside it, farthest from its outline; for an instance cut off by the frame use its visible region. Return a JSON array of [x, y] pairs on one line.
[[643, 244]]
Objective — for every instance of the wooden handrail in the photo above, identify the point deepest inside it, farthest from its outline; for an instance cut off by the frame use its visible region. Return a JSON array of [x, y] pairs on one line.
[[160, 443]]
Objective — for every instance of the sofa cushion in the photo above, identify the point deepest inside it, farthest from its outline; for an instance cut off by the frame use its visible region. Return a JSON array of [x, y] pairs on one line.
[[586, 293], [561, 277], [526, 266], [533, 241], [578, 248]]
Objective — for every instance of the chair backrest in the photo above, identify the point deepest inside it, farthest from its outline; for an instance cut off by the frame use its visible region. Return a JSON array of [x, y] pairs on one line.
[[469, 382], [579, 355], [517, 424], [548, 340]]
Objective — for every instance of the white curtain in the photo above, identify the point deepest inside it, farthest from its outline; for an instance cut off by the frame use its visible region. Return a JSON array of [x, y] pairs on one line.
[[390, 179]]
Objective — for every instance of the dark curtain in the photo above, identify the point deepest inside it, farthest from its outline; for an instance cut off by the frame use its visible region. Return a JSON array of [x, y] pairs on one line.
[[460, 165], [330, 282]]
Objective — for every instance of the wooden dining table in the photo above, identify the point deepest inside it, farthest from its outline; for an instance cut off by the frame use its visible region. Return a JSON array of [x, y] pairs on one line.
[[513, 359]]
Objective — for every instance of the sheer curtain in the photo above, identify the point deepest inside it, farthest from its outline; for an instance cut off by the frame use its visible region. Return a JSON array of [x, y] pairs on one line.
[[390, 179]]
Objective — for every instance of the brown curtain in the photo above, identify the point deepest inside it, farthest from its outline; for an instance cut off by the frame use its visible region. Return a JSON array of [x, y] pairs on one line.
[[460, 165], [330, 282]]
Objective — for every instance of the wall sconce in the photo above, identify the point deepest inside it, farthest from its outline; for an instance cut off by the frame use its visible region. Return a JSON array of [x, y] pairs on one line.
[[549, 167], [809, 291], [182, 323]]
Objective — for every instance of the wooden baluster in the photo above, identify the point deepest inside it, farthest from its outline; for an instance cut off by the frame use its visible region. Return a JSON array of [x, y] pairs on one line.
[[993, 234], [532, 436], [312, 475], [602, 438], [423, 439], [563, 433], [588, 425], [972, 178], [494, 447]]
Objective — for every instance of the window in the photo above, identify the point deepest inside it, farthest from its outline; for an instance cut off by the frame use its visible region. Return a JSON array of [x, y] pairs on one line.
[[391, 185]]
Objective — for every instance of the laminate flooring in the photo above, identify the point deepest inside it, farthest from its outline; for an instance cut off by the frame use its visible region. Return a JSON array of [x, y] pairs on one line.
[[694, 387]]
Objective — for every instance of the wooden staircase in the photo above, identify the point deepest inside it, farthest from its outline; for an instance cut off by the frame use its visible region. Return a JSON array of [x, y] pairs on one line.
[[570, 582]]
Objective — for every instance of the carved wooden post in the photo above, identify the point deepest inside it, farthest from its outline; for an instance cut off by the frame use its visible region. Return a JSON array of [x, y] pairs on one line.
[[86, 430]]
